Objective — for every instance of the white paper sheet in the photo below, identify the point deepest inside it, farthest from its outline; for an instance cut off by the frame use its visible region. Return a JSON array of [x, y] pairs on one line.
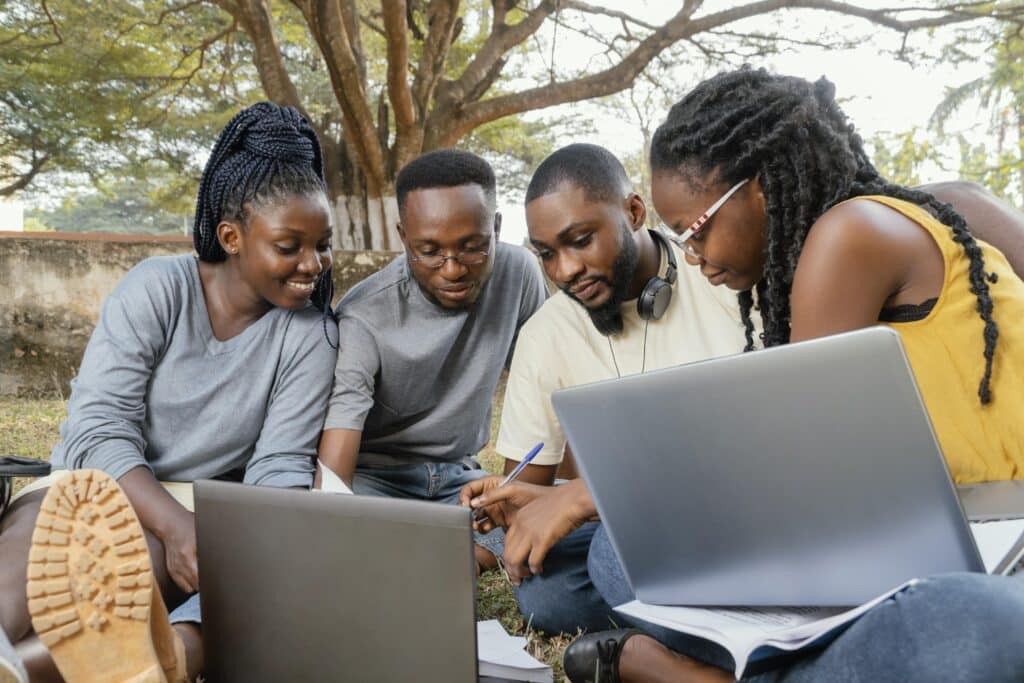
[[502, 656], [996, 539], [741, 630], [331, 482]]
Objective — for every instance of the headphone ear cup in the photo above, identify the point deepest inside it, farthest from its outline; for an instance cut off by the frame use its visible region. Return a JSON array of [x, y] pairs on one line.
[[654, 299]]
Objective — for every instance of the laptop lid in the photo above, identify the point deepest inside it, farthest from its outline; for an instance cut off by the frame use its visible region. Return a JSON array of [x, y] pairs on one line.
[[300, 586], [806, 474]]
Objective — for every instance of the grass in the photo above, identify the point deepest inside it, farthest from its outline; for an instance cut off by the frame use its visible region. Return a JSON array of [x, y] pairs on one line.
[[30, 428]]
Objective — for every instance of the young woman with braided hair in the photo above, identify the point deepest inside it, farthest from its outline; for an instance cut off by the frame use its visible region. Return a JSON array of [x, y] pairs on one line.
[[210, 367], [769, 191], [827, 245]]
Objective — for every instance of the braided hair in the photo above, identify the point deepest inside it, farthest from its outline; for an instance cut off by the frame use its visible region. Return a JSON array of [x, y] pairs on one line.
[[266, 155], [792, 135]]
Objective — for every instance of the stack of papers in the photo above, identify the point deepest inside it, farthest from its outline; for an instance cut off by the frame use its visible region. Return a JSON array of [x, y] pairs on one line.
[[753, 633], [503, 656]]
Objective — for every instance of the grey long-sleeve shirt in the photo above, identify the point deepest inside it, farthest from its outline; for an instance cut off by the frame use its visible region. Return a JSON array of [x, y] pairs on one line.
[[157, 389], [418, 379]]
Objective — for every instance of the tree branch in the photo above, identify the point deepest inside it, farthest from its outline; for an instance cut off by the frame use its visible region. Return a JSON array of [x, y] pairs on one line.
[[592, 9], [255, 18], [679, 27], [444, 23], [396, 30], [38, 162], [327, 24], [502, 39]]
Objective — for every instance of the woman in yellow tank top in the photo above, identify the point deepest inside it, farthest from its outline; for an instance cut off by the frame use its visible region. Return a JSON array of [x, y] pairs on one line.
[[826, 245], [770, 192]]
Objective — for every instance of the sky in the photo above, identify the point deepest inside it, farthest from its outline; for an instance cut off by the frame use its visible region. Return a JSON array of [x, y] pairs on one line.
[[878, 92]]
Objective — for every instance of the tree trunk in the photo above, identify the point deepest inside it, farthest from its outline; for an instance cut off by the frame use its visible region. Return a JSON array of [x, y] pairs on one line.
[[362, 222]]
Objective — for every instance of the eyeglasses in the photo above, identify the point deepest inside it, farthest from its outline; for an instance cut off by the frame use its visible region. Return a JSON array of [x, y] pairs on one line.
[[683, 240], [467, 257]]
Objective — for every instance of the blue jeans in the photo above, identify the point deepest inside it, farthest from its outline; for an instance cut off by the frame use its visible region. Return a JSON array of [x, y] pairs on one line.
[[563, 599], [952, 627], [187, 611], [439, 482]]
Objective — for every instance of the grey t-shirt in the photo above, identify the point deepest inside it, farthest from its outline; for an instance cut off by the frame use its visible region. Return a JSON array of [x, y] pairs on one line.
[[157, 389], [417, 379]]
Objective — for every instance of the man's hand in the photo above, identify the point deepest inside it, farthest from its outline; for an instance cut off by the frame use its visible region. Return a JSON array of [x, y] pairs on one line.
[[179, 539], [535, 518], [495, 505]]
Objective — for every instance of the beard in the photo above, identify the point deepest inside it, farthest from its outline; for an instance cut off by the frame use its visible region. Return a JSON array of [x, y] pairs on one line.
[[607, 317]]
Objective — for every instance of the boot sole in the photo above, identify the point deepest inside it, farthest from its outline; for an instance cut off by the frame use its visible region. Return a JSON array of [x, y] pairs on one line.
[[90, 583]]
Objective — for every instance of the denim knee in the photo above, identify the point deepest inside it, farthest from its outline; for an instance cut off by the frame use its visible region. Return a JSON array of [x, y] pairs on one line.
[[974, 623], [606, 571], [950, 627], [562, 599], [187, 612]]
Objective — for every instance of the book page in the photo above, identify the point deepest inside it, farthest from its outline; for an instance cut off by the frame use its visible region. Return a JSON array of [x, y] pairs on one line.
[[504, 656], [995, 541], [741, 630]]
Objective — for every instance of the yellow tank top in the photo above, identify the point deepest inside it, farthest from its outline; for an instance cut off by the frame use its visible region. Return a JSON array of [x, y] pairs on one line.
[[980, 442]]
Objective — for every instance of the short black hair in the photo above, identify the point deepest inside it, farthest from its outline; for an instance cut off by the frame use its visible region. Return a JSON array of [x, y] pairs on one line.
[[591, 168], [445, 168]]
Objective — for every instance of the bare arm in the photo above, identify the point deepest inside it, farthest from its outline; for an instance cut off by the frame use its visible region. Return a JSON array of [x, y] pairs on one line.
[[859, 258], [543, 475], [988, 217], [175, 526], [339, 450]]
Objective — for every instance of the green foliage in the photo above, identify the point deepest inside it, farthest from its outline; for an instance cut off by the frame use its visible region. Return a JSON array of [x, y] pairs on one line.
[[114, 89], [899, 156], [128, 207], [35, 224], [998, 165]]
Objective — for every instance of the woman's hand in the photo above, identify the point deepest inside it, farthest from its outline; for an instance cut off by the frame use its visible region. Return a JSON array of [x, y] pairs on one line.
[[169, 521], [179, 539]]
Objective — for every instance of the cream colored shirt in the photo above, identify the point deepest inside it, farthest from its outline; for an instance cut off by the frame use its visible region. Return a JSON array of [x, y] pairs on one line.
[[560, 347]]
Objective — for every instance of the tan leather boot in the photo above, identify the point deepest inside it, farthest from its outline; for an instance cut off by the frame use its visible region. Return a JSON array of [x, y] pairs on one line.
[[169, 648], [91, 592]]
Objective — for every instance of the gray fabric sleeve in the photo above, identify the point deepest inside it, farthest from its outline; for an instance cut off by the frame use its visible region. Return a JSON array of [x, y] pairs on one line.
[[354, 376], [535, 293], [283, 455], [108, 398]]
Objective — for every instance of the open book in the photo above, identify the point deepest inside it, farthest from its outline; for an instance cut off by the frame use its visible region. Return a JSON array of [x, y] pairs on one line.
[[754, 633], [503, 657]]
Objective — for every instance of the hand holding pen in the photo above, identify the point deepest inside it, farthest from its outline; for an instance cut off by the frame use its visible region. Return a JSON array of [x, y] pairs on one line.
[[473, 490]]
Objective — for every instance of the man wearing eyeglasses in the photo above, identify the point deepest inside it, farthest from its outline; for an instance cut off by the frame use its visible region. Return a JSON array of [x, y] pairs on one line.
[[423, 342]]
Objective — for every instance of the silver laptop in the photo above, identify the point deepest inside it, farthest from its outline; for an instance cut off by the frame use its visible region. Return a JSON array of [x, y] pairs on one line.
[[805, 474], [300, 586], [993, 500]]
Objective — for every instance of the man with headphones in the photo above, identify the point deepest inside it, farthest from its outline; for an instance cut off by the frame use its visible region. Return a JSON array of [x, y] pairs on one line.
[[623, 307]]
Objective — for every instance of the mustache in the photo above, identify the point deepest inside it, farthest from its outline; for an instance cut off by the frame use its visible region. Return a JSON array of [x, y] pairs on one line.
[[576, 281]]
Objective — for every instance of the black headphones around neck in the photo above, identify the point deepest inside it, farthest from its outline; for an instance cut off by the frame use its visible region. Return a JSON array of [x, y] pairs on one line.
[[657, 293]]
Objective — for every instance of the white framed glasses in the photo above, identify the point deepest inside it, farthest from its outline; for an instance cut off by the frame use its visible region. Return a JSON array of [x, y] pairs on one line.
[[682, 240]]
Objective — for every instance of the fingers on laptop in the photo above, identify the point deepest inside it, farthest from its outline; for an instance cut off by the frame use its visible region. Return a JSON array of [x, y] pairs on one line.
[[90, 585]]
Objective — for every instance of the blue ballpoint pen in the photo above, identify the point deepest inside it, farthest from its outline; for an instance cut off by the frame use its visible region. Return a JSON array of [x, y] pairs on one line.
[[522, 465], [514, 473]]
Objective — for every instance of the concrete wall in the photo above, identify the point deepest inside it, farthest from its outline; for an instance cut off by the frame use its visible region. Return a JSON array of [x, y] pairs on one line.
[[53, 284]]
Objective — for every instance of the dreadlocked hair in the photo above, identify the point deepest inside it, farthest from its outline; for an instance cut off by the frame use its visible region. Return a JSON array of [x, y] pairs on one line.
[[792, 135], [266, 155]]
